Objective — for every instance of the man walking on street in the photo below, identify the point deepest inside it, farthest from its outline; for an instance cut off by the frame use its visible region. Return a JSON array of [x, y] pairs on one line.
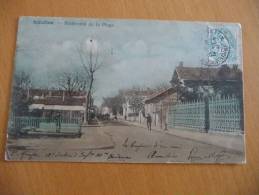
[[149, 122]]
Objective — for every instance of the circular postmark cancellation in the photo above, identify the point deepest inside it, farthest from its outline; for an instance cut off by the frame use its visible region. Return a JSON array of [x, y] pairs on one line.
[[220, 46]]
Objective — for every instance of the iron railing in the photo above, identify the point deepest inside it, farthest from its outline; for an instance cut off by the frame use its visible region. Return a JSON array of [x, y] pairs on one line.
[[217, 114]]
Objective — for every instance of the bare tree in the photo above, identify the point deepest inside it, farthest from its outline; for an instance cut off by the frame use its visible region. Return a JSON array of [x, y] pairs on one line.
[[22, 80], [72, 81], [162, 86], [91, 59]]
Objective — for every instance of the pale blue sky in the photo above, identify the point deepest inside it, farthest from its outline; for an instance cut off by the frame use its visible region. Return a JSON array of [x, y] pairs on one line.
[[144, 53]]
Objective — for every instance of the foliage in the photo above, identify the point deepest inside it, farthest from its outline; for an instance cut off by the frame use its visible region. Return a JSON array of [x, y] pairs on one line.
[[136, 102], [115, 103]]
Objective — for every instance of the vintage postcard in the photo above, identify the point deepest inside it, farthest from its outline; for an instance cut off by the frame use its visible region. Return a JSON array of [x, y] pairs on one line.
[[131, 91]]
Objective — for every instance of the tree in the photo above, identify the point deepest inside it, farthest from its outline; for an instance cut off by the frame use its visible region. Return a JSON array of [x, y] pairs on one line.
[[136, 96], [92, 59], [20, 102], [22, 80], [115, 103], [136, 102], [72, 82], [161, 86]]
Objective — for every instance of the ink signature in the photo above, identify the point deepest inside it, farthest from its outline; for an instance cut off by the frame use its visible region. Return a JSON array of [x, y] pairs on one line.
[[220, 156]]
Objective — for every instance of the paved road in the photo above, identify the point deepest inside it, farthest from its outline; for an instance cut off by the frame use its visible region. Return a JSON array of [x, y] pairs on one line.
[[116, 141]]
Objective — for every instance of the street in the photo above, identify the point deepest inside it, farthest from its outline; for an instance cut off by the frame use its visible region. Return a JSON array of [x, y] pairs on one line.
[[116, 141]]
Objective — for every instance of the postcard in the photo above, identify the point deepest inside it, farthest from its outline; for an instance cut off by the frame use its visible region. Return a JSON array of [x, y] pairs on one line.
[[126, 91]]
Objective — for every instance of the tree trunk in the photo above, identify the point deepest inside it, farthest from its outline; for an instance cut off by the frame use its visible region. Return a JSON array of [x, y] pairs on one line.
[[88, 103]]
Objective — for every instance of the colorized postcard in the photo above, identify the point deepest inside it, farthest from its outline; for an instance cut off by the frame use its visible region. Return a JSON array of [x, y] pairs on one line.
[[126, 91]]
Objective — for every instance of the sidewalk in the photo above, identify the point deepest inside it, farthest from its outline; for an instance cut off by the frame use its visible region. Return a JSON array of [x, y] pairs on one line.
[[233, 142]]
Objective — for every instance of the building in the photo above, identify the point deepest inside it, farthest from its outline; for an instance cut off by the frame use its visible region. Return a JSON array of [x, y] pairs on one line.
[[48, 103], [196, 82], [191, 84], [158, 104]]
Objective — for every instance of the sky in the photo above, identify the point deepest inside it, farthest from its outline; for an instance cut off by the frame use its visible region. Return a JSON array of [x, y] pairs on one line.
[[135, 52]]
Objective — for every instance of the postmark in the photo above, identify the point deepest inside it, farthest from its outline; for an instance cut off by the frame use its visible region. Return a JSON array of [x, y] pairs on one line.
[[220, 46]]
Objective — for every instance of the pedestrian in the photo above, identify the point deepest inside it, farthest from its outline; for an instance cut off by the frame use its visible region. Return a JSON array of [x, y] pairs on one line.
[[149, 122], [58, 122]]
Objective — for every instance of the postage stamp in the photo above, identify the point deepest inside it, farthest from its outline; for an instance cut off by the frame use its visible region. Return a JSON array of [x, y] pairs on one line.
[[126, 91], [222, 46]]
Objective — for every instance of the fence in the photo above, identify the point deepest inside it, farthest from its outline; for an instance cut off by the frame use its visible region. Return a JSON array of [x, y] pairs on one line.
[[188, 115], [24, 123], [226, 115], [220, 115]]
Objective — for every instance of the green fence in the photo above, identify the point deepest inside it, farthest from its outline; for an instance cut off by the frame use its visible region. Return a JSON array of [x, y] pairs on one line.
[[226, 115], [220, 115], [189, 115], [24, 124]]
